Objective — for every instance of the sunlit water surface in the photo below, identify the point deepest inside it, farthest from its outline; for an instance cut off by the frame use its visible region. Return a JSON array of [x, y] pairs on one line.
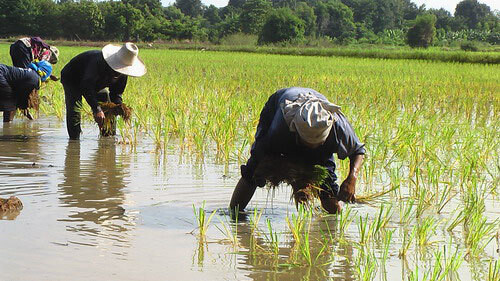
[[98, 209]]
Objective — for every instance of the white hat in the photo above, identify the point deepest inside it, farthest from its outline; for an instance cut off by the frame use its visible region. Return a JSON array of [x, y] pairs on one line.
[[312, 118], [124, 59]]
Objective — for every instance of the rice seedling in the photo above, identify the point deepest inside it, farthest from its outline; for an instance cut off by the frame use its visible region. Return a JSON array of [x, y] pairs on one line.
[[344, 220], [425, 228], [494, 270], [202, 220], [272, 238], [366, 264], [366, 230], [408, 238]]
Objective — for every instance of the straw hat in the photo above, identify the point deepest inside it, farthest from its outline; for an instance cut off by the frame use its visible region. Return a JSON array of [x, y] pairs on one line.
[[124, 59], [311, 117]]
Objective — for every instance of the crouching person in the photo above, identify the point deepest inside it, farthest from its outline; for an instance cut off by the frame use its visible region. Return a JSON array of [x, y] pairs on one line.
[[300, 124], [90, 72], [19, 87]]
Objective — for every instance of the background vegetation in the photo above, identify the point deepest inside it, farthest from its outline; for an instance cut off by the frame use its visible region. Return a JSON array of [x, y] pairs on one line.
[[308, 22]]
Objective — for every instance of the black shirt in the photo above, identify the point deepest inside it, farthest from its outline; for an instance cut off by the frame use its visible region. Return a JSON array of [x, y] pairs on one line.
[[90, 73]]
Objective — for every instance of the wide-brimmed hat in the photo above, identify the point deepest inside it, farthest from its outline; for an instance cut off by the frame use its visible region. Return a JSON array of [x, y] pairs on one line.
[[312, 118], [54, 57], [124, 59]]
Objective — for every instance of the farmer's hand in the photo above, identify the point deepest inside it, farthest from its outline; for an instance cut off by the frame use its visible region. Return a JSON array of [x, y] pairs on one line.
[[347, 190], [99, 118]]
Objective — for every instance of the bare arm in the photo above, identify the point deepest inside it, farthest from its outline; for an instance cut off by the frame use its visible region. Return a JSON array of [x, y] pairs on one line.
[[348, 187]]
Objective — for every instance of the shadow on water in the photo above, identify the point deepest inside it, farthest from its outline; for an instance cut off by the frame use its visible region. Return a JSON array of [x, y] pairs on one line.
[[93, 190]]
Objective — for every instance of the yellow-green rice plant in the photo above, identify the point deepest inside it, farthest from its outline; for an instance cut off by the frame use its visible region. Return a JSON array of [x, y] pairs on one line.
[[408, 238], [366, 230], [494, 270], [406, 211], [366, 264], [202, 220], [425, 228], [344, 220], [384, 216]]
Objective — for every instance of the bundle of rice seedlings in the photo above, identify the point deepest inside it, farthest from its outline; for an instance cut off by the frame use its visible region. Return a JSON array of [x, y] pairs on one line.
[[11, 204], [304, 178], [111, 110]]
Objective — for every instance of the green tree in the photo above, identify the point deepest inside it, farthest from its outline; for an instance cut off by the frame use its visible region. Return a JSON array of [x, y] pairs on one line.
[[253, 15], [423, 32], [211, 14], [122, 21], [192, 8], [472, 12], [306, 14], [281, 25], [237, 4], [82, 21], [443, 18], [335, 20]]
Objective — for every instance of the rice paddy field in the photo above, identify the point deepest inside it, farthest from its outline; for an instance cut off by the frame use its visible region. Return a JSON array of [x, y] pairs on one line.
[[150, 203]]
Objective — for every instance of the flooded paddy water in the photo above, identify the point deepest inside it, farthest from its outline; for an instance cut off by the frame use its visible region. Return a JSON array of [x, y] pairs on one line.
[[97, 209], [122, 208]]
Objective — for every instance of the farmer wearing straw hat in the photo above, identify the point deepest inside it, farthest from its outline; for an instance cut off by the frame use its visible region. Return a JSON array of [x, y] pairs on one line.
[[29, 50], [19, 87], [301, 124], [92, 71]]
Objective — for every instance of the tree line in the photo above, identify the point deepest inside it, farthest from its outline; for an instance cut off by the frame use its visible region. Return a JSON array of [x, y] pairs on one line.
[[273, 21]]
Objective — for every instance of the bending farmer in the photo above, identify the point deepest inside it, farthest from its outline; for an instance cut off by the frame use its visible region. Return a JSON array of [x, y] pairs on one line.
[[19, 86], [27, 50], [300, 123], [92, 71]]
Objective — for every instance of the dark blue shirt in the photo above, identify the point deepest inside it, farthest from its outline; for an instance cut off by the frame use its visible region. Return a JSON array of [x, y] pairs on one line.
[[15, 86], [273, 136]]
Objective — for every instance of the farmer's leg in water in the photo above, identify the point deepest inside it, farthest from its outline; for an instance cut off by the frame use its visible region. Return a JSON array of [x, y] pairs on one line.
[[73, 117]]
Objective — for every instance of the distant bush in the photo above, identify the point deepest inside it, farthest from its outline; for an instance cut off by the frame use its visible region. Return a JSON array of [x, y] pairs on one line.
[[240, 39], [423, 32], [281, 25], [469, 46]]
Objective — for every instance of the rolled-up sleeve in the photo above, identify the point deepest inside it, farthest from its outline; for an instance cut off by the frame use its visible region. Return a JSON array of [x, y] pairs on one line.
[[348, 141]]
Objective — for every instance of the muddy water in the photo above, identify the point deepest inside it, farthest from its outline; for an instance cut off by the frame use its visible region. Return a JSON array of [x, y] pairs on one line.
[[96, 209]]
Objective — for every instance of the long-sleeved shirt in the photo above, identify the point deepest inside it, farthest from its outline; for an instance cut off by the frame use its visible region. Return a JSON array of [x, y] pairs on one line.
[[273, 135], [90, 73], [15, 86]]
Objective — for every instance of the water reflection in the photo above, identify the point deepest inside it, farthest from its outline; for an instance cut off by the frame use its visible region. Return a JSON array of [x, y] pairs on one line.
[[93, 190], [20, 154], [254, 252]]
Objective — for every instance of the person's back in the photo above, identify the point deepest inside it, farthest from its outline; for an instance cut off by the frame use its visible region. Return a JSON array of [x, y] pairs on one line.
[[74, 71], [20, 78]]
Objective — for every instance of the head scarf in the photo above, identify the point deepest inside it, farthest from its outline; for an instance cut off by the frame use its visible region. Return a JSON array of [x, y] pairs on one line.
[[312, 118]]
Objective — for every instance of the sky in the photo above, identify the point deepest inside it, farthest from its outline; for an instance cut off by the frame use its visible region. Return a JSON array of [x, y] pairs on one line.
[[447, 4]]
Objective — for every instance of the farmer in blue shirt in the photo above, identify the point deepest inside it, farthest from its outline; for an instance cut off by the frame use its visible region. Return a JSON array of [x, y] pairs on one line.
[[300, 123], [19, 86]]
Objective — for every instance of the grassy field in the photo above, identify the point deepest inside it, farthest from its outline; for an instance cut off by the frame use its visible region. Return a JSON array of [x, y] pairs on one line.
[[431, 131]]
